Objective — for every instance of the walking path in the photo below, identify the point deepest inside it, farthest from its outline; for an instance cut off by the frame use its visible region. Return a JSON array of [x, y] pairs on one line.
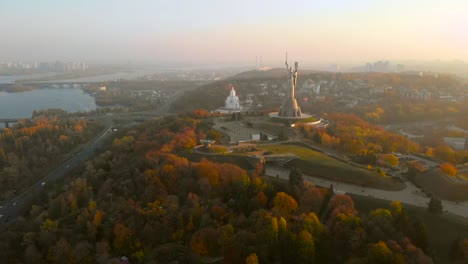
[[410, 195]]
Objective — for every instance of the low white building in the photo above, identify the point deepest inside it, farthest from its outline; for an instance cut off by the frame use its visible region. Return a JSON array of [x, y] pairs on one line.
[[456, 143]]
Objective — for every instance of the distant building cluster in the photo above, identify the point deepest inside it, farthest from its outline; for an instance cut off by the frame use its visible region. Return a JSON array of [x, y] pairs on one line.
[[18, 65], [310, 86], [417, 95], [399, 68], [383, 66], [379, 66], [57, 66], [449, 94], [344, 93], [335, 68], [457, 143]]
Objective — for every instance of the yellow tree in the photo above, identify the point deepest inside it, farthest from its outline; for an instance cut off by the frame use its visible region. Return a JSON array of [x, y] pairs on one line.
[[49, 225], [198, 245], [388, 160], [306, 247], [445, 152], [226, 236], [396, 208], [122, 237], [284, 203], [312, 224], [380, 253], [252, 259]]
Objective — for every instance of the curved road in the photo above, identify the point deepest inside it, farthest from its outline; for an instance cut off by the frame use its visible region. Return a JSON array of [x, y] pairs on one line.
[[410, 195]]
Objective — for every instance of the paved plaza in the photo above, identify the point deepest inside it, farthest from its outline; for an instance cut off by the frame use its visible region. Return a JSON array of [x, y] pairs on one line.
[[238, 132]]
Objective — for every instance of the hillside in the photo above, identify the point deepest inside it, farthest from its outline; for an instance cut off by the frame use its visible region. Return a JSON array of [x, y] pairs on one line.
[[211, 96], [140, 200], [436, 182]]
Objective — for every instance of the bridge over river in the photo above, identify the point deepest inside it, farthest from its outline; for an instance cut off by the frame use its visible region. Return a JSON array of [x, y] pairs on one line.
[[7, 121], [61, 84]]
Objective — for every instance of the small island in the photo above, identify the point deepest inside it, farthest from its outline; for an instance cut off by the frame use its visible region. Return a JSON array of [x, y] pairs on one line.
[[16, 88]]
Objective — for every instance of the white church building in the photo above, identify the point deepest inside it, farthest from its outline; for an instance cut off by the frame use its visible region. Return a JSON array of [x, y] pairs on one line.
[[232, 101], [231, 104]]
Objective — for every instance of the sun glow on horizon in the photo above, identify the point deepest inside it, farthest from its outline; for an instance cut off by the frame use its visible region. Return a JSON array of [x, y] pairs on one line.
[[336, 31]]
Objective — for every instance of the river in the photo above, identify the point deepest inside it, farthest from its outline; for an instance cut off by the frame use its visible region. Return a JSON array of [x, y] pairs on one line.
[[126, 75], [13, 78], [21, 105]]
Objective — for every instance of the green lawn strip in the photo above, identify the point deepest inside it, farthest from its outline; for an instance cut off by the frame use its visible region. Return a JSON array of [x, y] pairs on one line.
[[438, 183], [307, 120], [214, 149], [317, 164], [442, 230], [245, 162]]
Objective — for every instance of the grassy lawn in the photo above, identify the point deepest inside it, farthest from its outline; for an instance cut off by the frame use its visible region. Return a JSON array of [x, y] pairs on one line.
[[307, 120], [315, 163], [302, 152], [442, 230], [435, 181], [242, 161], [214, 149]]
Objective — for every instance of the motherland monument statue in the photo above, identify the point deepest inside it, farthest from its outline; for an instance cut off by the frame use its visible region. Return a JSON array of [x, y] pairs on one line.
[[290, 107]]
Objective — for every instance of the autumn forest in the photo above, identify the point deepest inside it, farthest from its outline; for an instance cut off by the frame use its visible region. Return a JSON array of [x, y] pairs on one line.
[[142, 199]]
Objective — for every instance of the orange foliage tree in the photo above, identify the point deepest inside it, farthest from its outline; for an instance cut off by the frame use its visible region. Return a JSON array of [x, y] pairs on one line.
[[445, 153], [200, 113], [388, 160], [449, 169], [354, 135], [209, 170]]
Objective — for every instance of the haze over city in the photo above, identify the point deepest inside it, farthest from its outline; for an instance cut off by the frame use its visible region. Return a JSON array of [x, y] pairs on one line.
[[233, 32], [242, 131]]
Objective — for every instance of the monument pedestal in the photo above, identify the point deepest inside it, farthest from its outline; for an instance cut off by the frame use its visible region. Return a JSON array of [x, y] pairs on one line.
[[290, 108]]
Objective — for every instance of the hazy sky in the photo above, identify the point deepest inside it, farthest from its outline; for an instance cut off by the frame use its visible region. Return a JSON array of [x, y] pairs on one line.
[[234, 31]]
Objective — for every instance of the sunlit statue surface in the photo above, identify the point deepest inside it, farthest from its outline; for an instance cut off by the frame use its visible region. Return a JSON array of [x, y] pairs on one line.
[[290, 107]]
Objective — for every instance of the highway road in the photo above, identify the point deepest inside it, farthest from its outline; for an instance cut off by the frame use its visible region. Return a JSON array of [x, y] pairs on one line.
[[10, 209]]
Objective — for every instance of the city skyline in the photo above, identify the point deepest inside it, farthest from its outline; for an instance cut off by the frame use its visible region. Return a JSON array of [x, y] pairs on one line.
[[223, 32]]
